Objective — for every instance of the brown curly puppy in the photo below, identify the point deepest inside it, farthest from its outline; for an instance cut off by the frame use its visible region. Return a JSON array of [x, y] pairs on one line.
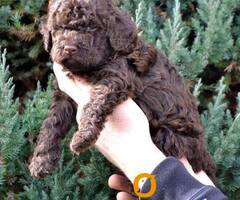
[[95, 40]]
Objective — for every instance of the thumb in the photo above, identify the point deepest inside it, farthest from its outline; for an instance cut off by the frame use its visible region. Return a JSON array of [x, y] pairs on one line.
[[78, 89]]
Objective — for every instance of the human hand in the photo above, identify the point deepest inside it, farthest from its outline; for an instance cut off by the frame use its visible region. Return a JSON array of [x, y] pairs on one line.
[[122, 184], [125, 140]]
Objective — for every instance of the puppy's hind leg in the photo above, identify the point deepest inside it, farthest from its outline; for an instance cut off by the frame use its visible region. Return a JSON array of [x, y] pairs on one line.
[[54, 128]]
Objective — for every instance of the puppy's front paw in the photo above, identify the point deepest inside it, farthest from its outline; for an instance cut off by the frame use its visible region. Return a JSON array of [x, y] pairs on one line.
[[82, 140]]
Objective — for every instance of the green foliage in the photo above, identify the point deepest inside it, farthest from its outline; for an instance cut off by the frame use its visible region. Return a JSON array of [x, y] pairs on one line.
[[197, 88], [71, 180], [173, 40], [213, 118], [5, 14], [36, 109], [217, 19], [238, 100], [63, 184], [59, 186], [223, 139], [19, 34], [146, 20], [11, 131], [95, 178], [212, 25], [32, 7]]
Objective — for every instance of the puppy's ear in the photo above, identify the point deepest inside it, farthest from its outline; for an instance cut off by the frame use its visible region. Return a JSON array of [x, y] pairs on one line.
[[44, 30], [143, 57], [122, 32]]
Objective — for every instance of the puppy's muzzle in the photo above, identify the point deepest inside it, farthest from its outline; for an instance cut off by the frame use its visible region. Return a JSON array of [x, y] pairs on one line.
[[70, 49]]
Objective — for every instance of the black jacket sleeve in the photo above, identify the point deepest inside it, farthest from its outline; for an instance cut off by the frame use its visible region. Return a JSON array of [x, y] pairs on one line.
[[175, 183]]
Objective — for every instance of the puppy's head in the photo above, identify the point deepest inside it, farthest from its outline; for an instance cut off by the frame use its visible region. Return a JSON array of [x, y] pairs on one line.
[[84, 34]]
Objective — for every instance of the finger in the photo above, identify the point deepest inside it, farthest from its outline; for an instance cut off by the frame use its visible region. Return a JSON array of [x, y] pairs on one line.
[[72, 80], [77, 89], [120, 183], [61, 76], [125, 196]]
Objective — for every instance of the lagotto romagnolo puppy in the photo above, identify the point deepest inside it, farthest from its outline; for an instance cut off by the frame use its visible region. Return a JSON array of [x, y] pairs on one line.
[[96, 40]]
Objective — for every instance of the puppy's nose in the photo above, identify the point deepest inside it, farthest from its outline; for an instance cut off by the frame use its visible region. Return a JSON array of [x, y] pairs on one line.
[[70, 49]]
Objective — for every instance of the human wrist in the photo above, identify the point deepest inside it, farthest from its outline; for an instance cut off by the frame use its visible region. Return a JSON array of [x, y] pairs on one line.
[[145, 161]]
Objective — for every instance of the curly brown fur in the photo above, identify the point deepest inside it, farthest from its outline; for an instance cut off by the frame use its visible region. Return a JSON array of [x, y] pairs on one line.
[[54, 128], [95, 40]]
